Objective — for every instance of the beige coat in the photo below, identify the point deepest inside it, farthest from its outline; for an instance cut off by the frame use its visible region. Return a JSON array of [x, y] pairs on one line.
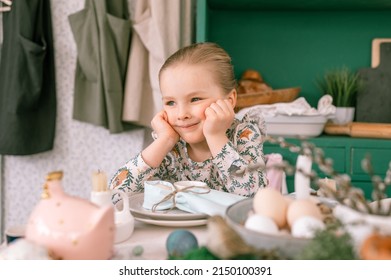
[[160, 28]]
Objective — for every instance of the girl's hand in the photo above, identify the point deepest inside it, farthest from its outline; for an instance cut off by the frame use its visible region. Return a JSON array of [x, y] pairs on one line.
[[163, 129], [167, 137], [219, 117]]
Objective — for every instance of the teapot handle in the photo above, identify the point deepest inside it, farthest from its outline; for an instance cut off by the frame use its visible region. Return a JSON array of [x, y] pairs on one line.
[[123, 214], [124, 220]]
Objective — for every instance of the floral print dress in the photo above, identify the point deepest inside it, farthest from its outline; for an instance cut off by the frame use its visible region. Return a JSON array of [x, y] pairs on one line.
[[245, 146]]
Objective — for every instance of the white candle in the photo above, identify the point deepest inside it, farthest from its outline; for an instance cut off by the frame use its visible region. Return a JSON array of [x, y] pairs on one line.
[[302, 182], [100, 194], [99, 181]]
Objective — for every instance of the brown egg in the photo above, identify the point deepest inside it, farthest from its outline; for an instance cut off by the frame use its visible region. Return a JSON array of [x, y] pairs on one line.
[[302, 207], [289, 199], [271, 203]]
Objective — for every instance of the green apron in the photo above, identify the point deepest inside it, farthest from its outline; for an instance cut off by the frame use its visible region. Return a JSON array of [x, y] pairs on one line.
[[27, 79], [102, 34]]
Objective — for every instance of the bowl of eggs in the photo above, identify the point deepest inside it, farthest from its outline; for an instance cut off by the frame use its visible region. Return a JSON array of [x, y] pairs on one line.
[[273, 221]]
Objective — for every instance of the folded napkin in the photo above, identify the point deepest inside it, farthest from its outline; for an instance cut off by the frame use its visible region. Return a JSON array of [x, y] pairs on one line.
[[161, 195], [298, 107]]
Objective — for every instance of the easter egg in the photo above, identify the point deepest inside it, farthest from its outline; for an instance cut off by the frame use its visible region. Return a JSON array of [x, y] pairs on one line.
[[180, 242], [138, 251], [306, 227], [271, 203], [300, 208], [261, 224]]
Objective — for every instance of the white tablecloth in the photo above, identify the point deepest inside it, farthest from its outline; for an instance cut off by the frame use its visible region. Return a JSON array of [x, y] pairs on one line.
[[153, 240]]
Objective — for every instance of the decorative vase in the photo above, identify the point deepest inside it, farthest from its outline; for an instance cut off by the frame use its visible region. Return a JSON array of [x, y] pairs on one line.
[[343, 115]]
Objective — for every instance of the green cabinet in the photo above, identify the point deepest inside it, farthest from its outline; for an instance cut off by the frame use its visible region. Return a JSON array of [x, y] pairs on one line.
[[292, 43], [347, 154]]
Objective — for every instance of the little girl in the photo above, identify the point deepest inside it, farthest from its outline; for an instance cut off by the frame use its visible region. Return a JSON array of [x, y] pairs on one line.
[[196, 134]]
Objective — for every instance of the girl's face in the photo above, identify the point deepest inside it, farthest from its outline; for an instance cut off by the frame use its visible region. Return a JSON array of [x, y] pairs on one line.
[[187, 90]]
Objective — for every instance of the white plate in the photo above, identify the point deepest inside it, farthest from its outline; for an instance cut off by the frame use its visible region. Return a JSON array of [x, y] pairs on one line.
[[136, 207], [170, 223]]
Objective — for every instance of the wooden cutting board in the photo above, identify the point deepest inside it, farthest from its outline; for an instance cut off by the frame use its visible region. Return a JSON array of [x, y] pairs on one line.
[[360, 129], [375, 59], [374, 97]]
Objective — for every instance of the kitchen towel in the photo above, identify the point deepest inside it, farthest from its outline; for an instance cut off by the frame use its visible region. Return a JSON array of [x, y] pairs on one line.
[[298, 107]]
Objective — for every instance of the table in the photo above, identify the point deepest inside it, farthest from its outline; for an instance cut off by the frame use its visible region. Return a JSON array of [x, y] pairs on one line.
[[153, 240]]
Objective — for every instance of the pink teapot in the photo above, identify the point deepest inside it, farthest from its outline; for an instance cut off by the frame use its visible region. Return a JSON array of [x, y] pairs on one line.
[[71, 227]]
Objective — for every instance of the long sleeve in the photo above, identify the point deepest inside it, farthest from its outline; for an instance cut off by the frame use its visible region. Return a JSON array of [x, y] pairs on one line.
[[130, 178], [248, 150]]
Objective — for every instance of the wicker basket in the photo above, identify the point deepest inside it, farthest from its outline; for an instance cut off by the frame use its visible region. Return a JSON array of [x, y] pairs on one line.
[[267, 97]]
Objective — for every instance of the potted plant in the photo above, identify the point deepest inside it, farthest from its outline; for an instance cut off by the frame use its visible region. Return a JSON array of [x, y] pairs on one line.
[[342, 84]]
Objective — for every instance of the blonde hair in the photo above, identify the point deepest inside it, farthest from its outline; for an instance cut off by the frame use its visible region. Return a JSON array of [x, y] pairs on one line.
[[206, 53]]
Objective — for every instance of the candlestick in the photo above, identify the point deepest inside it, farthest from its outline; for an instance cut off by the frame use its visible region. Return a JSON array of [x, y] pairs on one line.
[[302, 182]]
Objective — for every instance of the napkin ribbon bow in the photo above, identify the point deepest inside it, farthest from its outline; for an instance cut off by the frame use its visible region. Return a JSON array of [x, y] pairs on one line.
[[172, 195]]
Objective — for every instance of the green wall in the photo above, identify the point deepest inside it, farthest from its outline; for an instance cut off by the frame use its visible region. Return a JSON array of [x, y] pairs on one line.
[[294, 47]]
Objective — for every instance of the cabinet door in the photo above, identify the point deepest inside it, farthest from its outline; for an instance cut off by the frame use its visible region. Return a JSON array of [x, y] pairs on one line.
[[380, 159], [336, 154], [367, 188]]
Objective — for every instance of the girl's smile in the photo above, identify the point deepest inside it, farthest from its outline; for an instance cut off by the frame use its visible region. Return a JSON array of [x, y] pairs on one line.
[[188, 126]]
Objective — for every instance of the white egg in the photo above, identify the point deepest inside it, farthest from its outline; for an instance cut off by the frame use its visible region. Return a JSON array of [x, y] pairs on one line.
[[23, 249], [261, 224], [284, 232], [306, 227]]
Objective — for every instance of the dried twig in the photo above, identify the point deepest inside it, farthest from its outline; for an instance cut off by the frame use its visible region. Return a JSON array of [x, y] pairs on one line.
[[346, 193]]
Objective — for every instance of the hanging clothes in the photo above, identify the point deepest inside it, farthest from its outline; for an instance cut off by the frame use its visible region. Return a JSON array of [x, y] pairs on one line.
[[27, 79], [160, 28], [102, 34]]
